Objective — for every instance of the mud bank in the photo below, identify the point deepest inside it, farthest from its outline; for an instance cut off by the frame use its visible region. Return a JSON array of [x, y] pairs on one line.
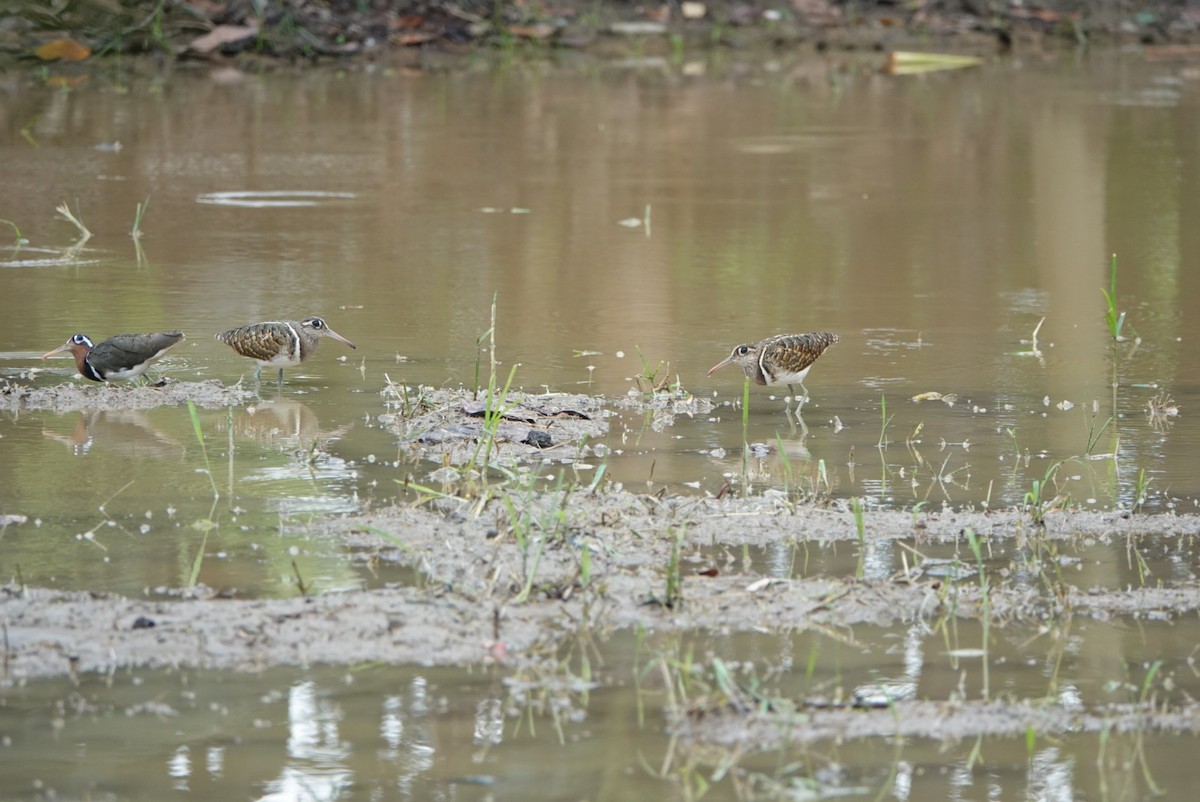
[[946, 721], [489, 596], [507, 573], [75, 397]]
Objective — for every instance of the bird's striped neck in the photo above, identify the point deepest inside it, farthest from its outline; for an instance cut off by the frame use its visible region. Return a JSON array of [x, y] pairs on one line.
[[87, 370]]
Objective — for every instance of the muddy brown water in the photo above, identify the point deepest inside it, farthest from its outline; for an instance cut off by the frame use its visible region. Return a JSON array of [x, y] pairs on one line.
[[627, 219], [405, 733]]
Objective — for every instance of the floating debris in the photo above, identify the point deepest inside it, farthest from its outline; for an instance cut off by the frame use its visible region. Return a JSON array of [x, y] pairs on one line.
[[1161, 409], [902, 62], [949, 399], [272, 199]]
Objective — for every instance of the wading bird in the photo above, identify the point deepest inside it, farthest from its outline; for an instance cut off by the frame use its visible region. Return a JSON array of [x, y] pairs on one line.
[[124, 357], [279, 343]]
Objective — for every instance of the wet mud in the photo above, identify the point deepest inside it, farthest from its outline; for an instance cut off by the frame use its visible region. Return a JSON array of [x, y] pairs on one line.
[[459, 428], [925, 719], [479, 601], [68, 397], [508, 570]]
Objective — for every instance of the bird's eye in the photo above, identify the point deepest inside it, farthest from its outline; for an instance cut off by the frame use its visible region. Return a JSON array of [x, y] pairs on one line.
[[318, 323], [79, 339], [743, 350]]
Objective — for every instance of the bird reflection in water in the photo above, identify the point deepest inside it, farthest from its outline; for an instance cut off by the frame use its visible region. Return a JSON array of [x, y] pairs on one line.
[[283, 424], [768, 465], [128, 433], [310, 478]]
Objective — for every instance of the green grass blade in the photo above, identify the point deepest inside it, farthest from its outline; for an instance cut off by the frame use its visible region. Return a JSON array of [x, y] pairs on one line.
[[195, 416]]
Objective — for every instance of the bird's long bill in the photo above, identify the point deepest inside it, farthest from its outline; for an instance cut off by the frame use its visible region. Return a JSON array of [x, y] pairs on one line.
[[64, 347], [720, 364], [339, 337]]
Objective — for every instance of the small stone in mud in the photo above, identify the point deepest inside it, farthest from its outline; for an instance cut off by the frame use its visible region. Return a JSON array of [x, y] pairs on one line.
[[142, 622], [538, 439], [449, 425]]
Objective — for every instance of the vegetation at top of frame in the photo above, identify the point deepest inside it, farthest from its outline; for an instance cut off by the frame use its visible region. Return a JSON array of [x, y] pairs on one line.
[[121, 26], [294, 29], [279, 28]]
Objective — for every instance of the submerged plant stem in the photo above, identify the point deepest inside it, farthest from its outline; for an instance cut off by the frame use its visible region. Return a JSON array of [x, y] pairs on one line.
[[195, 416]]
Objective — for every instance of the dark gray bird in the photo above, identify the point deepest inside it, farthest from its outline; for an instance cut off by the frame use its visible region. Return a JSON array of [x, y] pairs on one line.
[[279, 343], [124, 357]]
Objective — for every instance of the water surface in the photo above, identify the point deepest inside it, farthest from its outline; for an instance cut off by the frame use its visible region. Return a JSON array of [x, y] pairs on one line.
[[625, 222], [932, 222]]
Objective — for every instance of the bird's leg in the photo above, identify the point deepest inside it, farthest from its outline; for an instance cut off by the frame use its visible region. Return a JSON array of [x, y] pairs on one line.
[[280, 381], [800, 420], [801, 400]]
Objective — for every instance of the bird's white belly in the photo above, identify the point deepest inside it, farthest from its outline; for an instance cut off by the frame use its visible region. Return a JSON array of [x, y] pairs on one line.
[[785, 377], [284, 360], [127, 374]]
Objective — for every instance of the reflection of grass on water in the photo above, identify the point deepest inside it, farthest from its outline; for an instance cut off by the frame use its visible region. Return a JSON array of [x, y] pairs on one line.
[[1145, 700], [195, 416], [985, 614], [208, 524], [138, 213], [856, 506], [552, 681]]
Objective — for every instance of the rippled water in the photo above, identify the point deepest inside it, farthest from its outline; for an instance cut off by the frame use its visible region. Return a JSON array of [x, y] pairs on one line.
[[626, 223]]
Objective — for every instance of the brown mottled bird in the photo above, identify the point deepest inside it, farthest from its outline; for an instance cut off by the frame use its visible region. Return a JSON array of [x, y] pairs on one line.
[[782, 359], [125, 356], [279, 343]]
